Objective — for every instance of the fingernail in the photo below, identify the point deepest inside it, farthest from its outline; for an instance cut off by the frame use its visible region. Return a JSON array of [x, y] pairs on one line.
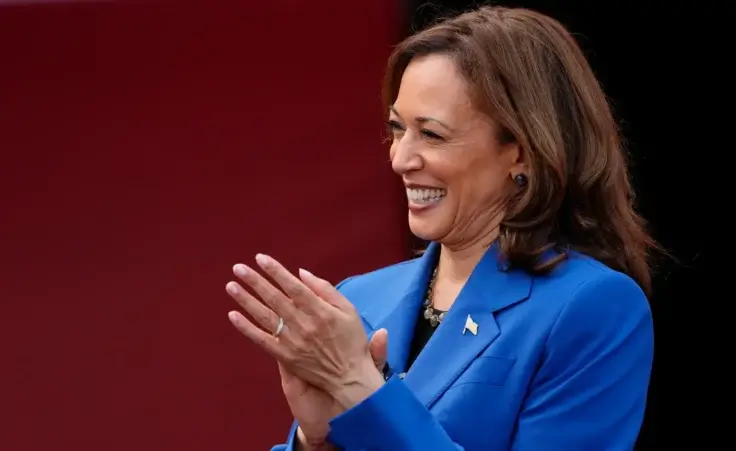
[[240, 270], [233, 317], [304, 273], [262, 259], [231, 288]]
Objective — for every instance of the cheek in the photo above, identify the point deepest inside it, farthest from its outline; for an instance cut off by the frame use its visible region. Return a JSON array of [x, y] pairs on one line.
[[484, 182]]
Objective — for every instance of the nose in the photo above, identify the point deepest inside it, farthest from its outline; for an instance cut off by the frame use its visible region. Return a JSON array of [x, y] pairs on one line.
[[405, 156]]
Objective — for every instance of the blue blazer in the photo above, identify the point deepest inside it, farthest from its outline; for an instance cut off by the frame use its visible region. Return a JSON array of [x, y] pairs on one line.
[[559, 362]]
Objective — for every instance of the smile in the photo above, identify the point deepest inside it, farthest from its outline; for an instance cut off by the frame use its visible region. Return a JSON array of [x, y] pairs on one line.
[[425, 196]]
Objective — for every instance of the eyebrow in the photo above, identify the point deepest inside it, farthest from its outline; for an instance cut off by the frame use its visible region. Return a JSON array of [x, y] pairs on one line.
[[422, 119]]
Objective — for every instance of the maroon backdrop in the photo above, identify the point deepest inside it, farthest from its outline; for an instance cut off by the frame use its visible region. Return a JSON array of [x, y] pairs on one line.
[[147, 147]]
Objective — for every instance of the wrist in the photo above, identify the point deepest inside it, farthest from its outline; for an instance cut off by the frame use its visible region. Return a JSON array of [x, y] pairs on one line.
[[358, 387], [301, 443]]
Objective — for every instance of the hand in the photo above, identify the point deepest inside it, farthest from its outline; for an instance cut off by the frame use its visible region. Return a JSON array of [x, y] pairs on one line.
[[312, 408], [323, 341]]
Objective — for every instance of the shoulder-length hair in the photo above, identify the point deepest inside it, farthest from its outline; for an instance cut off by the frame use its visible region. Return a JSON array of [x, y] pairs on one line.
[[526, 71]]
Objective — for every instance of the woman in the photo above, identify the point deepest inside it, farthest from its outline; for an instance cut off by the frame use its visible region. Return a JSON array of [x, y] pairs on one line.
[[525, 324]]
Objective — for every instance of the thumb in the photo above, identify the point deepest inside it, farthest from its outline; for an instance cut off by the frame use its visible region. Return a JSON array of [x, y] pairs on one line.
[[377, 347]]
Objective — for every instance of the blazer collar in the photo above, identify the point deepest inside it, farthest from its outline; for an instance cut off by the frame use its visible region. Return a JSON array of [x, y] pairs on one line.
[[488, 290]]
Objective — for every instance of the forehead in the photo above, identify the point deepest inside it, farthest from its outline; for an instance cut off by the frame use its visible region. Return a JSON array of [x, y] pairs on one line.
[[432, 85]]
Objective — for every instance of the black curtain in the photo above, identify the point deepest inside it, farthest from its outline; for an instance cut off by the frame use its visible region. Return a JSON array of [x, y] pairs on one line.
[[653, 61]]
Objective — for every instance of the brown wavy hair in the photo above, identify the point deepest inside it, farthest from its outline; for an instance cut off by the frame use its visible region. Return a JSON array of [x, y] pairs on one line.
[[527, 72]]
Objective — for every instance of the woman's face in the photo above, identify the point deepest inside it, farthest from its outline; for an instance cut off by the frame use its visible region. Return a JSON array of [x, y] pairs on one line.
[[447, 152]]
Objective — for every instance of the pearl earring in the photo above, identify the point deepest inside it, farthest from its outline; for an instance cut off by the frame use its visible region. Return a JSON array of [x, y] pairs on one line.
[[520, 180]]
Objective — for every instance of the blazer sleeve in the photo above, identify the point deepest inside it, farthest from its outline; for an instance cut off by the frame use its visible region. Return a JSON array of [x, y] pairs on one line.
[[589, 392]]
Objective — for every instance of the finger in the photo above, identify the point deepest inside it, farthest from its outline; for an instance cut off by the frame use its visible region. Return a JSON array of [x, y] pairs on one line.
[[324, 290], [378, 348], [292, 286], [264, 316], [271, 296], [256, 335]]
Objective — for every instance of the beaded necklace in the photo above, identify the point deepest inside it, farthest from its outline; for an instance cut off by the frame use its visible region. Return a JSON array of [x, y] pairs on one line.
[[434, 317]]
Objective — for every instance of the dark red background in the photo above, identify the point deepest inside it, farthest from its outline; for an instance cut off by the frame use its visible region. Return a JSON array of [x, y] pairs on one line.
[[147, 147]]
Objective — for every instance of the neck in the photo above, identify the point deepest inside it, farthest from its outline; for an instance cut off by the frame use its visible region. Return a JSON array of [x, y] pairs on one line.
[[458, 262]]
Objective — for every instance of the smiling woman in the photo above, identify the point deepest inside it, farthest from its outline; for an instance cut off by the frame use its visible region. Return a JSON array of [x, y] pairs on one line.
[[525, 324], [454, 167]]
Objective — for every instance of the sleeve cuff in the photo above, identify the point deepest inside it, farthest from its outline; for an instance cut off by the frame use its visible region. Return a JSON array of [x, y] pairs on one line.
[[391, 418], [291, 444]]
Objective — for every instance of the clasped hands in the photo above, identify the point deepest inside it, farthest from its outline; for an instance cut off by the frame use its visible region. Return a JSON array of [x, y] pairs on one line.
[[322, 350]]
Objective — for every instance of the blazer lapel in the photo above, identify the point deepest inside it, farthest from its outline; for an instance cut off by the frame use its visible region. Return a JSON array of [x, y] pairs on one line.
[[401, 319], [450, 351]]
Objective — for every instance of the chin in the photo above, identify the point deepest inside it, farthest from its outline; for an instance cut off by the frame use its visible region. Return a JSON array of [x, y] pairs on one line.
[[424, 229]]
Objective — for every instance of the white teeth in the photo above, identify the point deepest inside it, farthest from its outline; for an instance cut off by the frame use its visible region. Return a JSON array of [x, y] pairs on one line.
[[425, 194]]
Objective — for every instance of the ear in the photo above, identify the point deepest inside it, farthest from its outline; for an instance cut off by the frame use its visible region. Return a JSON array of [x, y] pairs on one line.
[[516, 158]]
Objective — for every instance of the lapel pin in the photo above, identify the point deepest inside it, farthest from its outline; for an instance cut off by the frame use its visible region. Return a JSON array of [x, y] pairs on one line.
[[471, 326]]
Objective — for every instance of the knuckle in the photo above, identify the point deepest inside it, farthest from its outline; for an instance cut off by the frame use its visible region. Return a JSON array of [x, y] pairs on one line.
[[298, 346], [322, 319], [271, 298], [310, 332], [297, 290], [266, 320], [289, 358], [262, 341]]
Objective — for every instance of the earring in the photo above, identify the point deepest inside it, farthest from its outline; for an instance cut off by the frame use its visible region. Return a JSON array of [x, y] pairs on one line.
[[520, 180]]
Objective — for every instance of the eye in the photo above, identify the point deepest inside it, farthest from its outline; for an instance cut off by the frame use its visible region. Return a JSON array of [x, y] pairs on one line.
[[393, 125], [432, 135], [395, 129]]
